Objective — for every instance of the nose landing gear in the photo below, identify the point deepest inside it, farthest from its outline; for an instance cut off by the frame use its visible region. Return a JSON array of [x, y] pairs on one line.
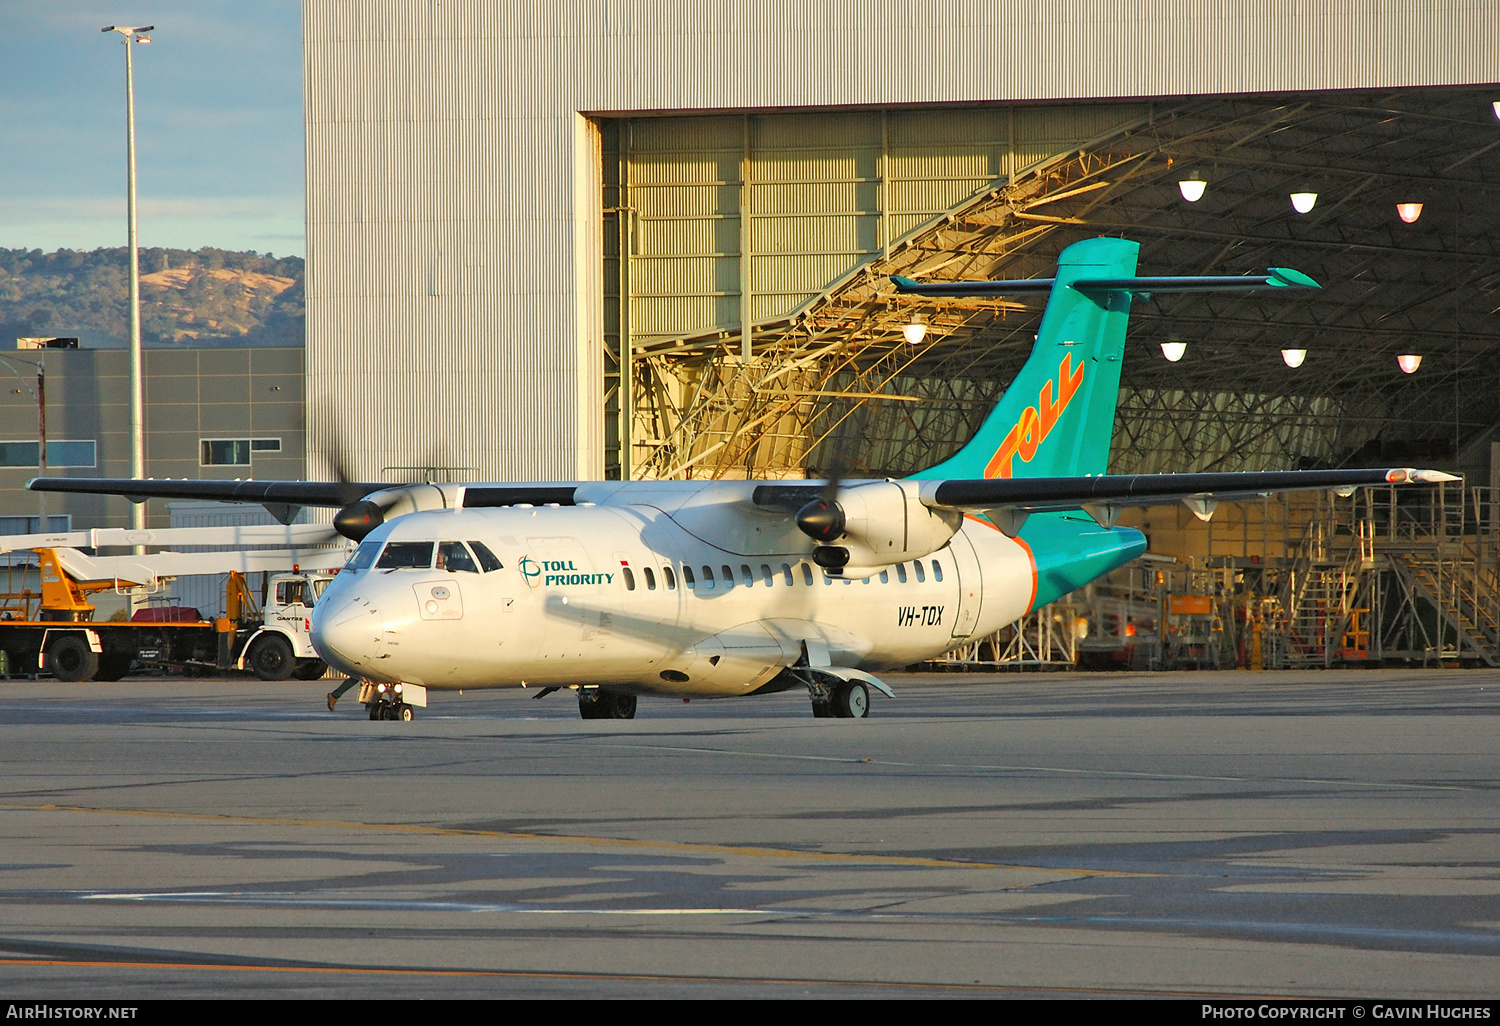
[[384, 701]]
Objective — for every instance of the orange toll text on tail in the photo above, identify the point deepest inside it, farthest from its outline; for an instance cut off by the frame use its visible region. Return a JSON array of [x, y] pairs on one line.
[[1036, 422]]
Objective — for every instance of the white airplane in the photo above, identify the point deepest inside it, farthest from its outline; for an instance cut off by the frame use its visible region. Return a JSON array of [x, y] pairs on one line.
[[715, 589]]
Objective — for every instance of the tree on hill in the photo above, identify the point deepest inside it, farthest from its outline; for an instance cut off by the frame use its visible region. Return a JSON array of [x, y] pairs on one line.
[[216, 296]]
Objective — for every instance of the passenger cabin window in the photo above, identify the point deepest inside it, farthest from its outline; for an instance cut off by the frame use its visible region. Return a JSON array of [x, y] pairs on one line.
[[900, 573], [629, 578], [650, 579], [747, 574], [687, 578], [917, 564], [406, 556], [807, 577], [937, 570], [363, 556], [487, 560], [454, 558], [708, 577], [766, 575], [728, 576], [669, 578], [786, 575]]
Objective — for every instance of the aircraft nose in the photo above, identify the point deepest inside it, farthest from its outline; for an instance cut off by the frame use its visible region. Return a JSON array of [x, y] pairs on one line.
[[344, 634]]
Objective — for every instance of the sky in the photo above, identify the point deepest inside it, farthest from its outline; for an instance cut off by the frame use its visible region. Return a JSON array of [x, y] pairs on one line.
[[218, 103]]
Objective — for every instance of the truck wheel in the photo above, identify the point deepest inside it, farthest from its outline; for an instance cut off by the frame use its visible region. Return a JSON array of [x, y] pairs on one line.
[[271, 658], [70, 658], [310, 669], [113, 666]]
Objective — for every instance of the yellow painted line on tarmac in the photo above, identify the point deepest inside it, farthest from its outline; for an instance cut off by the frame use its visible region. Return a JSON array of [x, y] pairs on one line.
[[523, 974], [845, 858]]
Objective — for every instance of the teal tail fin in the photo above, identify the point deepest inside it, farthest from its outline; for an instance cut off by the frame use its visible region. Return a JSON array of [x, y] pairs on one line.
[[1058, 415]]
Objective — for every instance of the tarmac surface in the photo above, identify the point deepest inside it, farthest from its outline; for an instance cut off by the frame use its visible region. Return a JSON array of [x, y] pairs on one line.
[[1192, 834]]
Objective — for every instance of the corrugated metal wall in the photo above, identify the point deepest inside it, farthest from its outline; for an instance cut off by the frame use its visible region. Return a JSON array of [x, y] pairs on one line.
[[454, 302], [802, 200]]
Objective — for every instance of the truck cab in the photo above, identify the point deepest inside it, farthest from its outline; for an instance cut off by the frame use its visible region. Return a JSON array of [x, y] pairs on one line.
[[281, 646]]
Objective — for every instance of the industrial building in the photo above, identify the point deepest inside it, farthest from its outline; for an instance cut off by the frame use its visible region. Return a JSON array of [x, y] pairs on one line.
[[210, 413]]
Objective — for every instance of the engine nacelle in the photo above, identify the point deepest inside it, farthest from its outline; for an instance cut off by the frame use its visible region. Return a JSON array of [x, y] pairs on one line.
[[876, 523], [359, 518]]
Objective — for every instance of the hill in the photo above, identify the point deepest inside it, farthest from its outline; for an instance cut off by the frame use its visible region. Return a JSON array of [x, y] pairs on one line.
[[204, 297]]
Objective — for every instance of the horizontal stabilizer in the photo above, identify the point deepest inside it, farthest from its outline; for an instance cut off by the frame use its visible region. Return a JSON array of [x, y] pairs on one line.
[[972, 288], [1275, 278]]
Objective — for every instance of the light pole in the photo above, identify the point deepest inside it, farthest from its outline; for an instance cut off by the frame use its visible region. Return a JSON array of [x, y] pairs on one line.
[[137, 415]]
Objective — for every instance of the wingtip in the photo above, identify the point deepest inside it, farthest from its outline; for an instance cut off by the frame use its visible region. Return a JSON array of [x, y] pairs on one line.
[[1290, 277], [903, 284]]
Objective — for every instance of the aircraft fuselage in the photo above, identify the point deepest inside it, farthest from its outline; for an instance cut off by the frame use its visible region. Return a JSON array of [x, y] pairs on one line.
[[625, 595]]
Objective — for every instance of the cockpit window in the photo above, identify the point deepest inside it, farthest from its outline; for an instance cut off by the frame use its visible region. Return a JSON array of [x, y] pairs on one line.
[[487, 558], [453, 557], [406, 556], [363, 556]]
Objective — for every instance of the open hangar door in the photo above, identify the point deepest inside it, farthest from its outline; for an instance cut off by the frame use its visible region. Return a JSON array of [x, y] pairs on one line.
[[766, 389], [998, 204]]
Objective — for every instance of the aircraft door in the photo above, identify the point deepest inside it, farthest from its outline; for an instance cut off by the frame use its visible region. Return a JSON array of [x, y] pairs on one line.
[[970, 585]]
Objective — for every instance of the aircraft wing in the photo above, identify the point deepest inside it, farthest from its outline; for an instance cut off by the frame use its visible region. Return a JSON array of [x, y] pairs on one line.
[[301, 493], [1102, 495]]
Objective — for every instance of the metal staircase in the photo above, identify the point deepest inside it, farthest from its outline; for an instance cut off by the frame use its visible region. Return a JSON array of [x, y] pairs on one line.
[[1442, 556]]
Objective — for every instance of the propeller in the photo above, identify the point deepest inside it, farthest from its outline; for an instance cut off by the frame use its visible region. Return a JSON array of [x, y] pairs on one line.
[[823, 519], [358, 516]]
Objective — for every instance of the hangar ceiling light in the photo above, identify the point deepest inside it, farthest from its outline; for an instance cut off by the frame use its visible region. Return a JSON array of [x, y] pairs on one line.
[[1409, 362], [1409, 212], [1302, 202], [1192, 187], [1173, 350], [915, 332], [1293, 357]]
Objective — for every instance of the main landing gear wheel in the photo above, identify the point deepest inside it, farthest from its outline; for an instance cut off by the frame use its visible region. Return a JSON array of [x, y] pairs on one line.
[[847, 700], [851, 700], [598, 704], [391, 711]]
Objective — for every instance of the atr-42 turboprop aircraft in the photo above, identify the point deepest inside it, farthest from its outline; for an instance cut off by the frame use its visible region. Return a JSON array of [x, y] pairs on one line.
[[724, 588]]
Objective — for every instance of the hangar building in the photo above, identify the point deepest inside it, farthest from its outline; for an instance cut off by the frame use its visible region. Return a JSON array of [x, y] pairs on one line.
[[624, 238]]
